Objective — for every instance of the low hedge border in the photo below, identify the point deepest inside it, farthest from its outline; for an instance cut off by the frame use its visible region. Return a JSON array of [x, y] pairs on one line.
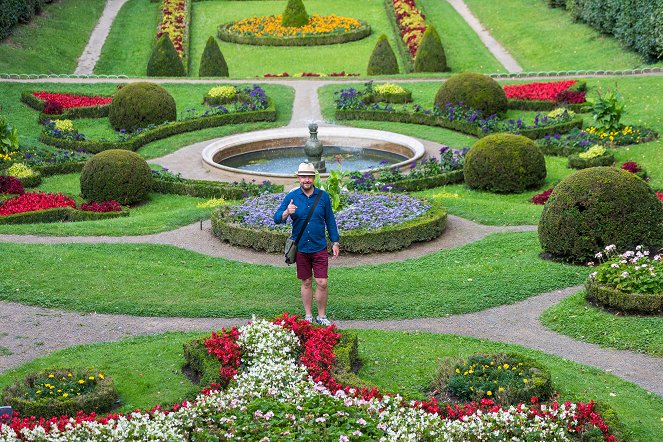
[[318, 40], [429, 182], [428, 226], [27, 182], [161, 132], [404, 54], [217, 101], [346, 350], [402, 98], [460, 126], [67, 114], [542, 105], [575, 162], [101, 400], [59, 168], [203, 189], [59, 214], [626, 302], [558, 151]]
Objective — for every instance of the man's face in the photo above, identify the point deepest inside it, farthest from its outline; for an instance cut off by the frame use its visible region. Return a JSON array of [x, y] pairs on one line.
[[305, 181]]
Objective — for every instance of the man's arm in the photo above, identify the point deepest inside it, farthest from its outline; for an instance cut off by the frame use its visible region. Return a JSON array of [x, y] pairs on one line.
[[282, 212]]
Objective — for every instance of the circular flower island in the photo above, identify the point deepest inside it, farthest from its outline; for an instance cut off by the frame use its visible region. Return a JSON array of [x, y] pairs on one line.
[[269, 31], [367, 222]]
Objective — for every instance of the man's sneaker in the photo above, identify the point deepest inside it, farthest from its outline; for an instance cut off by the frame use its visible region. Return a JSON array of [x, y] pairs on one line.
[[308, 318], [322, 320]]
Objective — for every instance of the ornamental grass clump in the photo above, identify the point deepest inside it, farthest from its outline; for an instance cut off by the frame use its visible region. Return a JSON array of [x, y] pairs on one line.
[[506, 379], [61, 391]]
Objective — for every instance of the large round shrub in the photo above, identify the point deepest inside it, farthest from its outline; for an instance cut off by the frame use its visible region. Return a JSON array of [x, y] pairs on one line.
[[116, 174], [477, 91], [504, 163], [140, 104], [596, 207]]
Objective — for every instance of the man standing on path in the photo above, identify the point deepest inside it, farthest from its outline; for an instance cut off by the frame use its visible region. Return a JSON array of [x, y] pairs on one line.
[[312, 258]]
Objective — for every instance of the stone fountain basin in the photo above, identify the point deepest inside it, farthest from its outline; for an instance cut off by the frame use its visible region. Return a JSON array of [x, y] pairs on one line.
[[227, 147]]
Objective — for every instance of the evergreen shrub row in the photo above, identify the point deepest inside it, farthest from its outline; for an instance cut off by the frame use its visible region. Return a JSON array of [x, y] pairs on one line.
[[543, 105], [430, 182], [164, 131], [59, 214], [388, 238], [59, 168], [14, 12], [205, 189]]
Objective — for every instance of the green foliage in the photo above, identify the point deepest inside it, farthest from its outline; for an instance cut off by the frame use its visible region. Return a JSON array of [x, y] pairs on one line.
[[59, 215], [18, 11], [164, 60], [118, 175], [212, 62], [140, 104], [212, 189], [58, 392], [383, 60], [596, 207], [430, 55], [607, 110], [333, 185], [477, 91], [294, 15], [577, 162], [504, 163], [624, 301], [505, 378], [8, 137]]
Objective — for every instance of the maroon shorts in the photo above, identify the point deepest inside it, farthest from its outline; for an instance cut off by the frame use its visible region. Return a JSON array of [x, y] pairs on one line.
[[309, 264]]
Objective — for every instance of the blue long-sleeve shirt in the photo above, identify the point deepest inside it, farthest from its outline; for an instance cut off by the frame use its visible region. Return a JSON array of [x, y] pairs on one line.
[[313, 239]]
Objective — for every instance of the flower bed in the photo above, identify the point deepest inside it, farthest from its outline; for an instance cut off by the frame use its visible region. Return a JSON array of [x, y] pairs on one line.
[[595, 156], [410, 24], [58, 392], [386, 92], [542, 198], [268, 31], [312, 74], [175, 15], [369, 223], [628, 282], [67, 104], [27, 176], [546, 95]]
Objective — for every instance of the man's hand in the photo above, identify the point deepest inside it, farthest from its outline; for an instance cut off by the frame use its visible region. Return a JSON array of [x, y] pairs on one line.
[[289, 210], [335, 250]]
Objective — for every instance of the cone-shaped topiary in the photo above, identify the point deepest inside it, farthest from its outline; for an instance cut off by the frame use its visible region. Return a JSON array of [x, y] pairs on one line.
[[164, 61], [597, 207], [430, 55], [116, 174], [212, 63], [383, 60], [295, 15], [477, 91], [140, 104], [504, 163]]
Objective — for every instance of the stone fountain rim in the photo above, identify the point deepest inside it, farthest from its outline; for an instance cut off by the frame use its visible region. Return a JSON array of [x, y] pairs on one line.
[[414, 145]]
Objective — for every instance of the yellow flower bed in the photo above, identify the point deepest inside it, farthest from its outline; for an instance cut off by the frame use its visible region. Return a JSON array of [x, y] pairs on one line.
[[389, 88], [592, 152], [222, 91], [270, 26]]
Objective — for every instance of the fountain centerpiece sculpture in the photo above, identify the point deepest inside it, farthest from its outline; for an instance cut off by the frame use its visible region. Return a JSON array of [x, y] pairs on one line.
[[313, 149]]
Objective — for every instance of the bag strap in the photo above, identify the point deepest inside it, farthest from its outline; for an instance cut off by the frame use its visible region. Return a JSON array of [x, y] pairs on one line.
[[308, 217]]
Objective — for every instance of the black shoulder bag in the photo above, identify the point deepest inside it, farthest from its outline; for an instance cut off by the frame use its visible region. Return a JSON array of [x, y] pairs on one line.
[[290, 250]]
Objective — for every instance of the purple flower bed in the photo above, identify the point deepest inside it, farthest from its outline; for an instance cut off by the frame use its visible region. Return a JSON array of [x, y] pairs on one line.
[[362, 211]]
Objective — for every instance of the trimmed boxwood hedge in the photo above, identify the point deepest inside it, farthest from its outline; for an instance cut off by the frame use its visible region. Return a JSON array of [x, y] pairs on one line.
[[66, 114], [215, 101], [460, 126], [164, 131], [346, 350], [543, 105], [627, 302], [428, 226], [430, 182], [575, 162], [59, 168], [100, 400], [405, 97], [318, 40], [203, 189], [59, 214]]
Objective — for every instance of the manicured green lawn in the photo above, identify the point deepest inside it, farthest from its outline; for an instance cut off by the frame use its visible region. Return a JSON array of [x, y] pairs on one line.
[[577, 318], [158, 280], [52, 42], [545, 39], [147, 371]]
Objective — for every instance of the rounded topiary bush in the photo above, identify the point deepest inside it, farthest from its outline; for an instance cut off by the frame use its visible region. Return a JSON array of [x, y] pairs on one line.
[[383, 60], [597, 207], [477, 91], [504, 163], [140, 104], [116, 174], [62, 391]]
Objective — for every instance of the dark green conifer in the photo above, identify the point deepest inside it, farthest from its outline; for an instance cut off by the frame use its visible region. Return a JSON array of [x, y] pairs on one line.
[[212, 62], [295, 14], [164, 61], [383, 60], [430, 55]]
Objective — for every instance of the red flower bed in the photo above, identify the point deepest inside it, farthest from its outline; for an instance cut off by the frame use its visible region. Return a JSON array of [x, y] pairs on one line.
[[542, 197], [10, 184], [412, 23], [224, 346], [631, 166], [106, 206], [33, 201], [66, 101], [660, 196], [556, 91], [173, 23], [313, 74]]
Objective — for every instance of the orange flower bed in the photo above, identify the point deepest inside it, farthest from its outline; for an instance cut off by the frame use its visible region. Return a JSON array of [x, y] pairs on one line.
[[270, 26]]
